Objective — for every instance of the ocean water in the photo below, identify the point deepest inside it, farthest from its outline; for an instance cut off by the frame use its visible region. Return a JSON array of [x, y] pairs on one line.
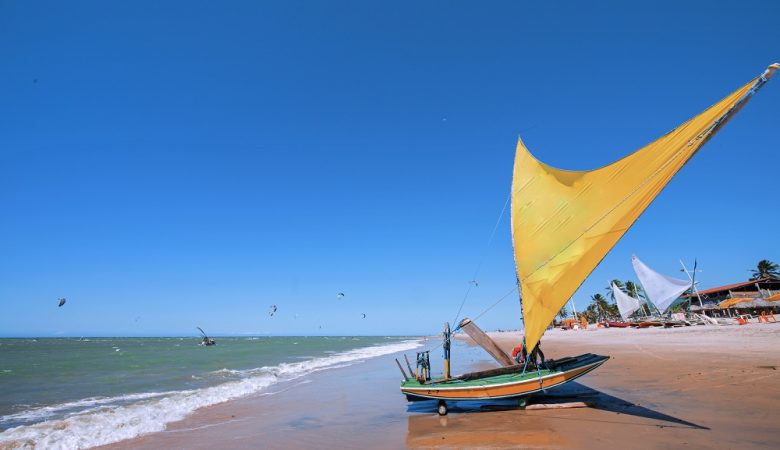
[[71, 393]]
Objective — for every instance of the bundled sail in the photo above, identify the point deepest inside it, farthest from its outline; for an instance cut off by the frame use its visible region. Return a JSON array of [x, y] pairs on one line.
[[564, 222], [626, 304], [660, 289]]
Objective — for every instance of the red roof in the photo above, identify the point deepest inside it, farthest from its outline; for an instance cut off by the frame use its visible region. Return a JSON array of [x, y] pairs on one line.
[[734, 286]]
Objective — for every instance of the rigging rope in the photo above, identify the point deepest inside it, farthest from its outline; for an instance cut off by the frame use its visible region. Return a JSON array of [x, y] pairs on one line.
[[457, 326], [514, 288], [482, 259]]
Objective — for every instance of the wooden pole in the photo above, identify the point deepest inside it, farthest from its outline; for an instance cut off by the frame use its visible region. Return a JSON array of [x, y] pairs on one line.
[[446, 345], [401, 369], [484, 341], [408, 365]]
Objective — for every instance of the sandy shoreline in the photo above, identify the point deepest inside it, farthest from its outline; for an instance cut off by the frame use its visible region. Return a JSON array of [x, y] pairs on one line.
[[698, 387]]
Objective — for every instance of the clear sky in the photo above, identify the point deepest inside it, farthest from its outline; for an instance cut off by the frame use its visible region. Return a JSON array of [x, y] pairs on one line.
[[171, 164]]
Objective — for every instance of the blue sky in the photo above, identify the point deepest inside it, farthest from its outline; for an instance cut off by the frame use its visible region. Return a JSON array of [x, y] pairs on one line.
[[166, 165]]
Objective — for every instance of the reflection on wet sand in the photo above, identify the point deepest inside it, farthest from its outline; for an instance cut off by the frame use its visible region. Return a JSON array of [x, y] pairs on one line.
[[503, 423], [502, 429]]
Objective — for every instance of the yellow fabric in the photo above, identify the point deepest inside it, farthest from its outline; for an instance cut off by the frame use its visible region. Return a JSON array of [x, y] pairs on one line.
[[564, 222], [735, 301], [773, 298]]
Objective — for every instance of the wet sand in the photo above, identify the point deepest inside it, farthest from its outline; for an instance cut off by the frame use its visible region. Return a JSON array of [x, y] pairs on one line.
[[698, 387]]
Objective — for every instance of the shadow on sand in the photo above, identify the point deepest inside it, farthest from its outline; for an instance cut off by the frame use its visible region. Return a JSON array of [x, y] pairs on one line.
[[571, 392]]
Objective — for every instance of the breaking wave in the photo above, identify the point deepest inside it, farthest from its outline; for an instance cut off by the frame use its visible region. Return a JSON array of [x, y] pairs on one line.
[[112, 419]]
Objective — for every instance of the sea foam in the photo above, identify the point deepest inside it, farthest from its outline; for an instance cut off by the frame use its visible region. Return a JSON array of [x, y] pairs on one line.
[[118, 418]]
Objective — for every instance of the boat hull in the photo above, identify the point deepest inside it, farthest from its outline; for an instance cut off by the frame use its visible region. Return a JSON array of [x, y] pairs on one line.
[[508, 385], [649, 324], [617, 324]]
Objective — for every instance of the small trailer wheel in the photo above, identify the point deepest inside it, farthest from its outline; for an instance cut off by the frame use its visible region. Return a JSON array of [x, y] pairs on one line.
[[442, 410]]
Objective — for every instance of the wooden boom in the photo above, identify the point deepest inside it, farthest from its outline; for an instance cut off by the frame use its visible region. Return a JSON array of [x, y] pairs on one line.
[[484, 341]]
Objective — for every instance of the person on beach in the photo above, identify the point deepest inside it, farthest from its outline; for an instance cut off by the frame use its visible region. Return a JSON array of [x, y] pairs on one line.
[[520, 354], [537, 355]]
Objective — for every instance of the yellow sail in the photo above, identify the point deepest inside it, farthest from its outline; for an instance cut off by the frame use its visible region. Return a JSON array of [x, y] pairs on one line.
[[564, 222]]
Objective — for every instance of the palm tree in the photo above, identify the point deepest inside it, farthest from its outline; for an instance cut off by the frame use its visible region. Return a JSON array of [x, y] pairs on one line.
[[614, 312], [766, 269], [601, 306], [563, 313], [636, 291], [591, 313]]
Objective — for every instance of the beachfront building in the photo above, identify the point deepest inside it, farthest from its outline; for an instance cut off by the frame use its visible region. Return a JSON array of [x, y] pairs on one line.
[[747, 297]]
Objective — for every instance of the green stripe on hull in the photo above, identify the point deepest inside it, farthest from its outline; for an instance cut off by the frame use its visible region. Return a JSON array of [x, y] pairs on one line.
[[497, 383], [498, 379]]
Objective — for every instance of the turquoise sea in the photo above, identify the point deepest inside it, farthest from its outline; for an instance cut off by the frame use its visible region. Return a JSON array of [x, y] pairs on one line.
[[78, 393]]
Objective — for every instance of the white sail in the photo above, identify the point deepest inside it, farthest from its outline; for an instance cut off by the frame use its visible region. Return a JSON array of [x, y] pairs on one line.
[[660, 289], [627, 305]]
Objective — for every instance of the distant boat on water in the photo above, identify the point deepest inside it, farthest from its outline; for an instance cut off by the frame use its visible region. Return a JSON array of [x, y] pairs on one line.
[[206, 340]]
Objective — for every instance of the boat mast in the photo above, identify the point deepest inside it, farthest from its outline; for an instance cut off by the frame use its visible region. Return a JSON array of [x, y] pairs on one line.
[[693, 284], [573, 309], [446, 348], [645, 308]]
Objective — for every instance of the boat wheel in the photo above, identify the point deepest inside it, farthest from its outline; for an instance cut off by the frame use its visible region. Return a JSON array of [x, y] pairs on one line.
[[442, 410]]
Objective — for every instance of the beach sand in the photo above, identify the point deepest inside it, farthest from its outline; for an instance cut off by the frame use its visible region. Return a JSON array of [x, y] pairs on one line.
[[697, 387]]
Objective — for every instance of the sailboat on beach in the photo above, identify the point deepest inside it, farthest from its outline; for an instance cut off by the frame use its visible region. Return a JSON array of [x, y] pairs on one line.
[[661, 291], [627, 305], [563, 224]]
